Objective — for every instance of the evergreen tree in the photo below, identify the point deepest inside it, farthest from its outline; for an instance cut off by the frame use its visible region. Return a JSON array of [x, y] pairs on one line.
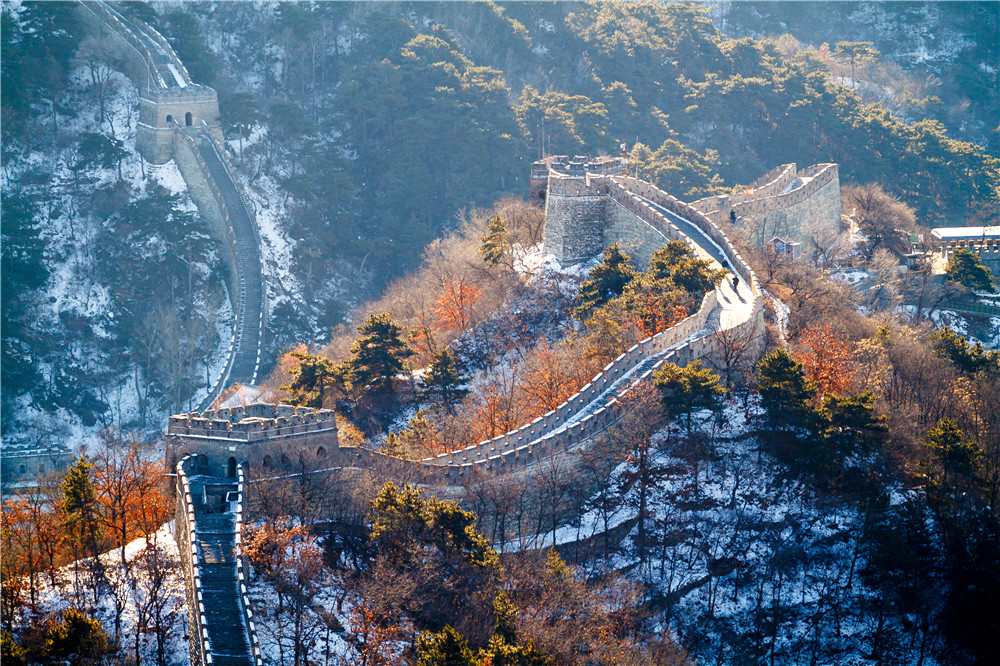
[[854, 425], [967, 358], [958, 456], [607, 281], [444, 381], [394, 446], [495, 244], [505, 614], [677, 263], [784, 391], [966, 268], [405, 523], [855, 52], [314, 377], [80, 507], [377, 355], [688, 389], [240, 112], [499, 652], [445, 648], [76, 639], [11, 652]]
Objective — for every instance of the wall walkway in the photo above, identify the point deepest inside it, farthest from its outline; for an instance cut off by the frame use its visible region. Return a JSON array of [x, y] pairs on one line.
[[208, 534]]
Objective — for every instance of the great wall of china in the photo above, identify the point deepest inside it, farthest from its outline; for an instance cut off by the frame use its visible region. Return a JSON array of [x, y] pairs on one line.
[[585, 210], [589, 204]]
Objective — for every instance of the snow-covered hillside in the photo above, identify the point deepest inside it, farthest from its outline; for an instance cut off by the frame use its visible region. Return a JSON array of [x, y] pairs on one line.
[[131, 316]]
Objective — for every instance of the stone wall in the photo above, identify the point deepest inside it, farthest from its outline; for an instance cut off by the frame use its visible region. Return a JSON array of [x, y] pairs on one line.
[[804, 212], [772, 209], [242, 570], [640, 241], [276, 437], [185, 530], [162, 110], [205, 194], [588, 414], [575, 216], [563, 165]]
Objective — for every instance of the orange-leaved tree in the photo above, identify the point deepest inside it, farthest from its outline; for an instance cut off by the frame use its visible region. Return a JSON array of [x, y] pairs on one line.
[[549, 380], [128, 486], [494, 413], [826, 359], [421, 335], [454, 306], [226, 394]]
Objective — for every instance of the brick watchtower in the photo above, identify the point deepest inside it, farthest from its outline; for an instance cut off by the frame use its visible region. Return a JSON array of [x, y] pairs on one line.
[[265, 436], [163, 110]]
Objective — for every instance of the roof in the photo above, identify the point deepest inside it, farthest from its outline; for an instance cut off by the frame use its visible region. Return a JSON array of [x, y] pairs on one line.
[[780, 239], [965, 233]]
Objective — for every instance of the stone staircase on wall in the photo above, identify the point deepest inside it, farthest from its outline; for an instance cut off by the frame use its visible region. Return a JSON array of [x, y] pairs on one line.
[[165, 81], [219, 584], [207, 535]]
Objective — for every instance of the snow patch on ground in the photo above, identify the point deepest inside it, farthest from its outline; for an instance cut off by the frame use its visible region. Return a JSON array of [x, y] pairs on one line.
[[132, 589], [849, 275]]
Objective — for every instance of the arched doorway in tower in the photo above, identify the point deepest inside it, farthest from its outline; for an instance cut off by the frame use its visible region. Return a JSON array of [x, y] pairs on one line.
[[170, 119], [231, 468], [187, 119]]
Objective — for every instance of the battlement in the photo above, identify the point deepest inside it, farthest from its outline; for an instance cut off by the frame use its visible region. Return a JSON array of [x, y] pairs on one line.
[[260, 433], [562, 167], [786, 201], [162, 110], [252, 422]]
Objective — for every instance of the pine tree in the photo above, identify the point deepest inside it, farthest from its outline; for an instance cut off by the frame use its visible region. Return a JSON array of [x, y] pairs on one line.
[[966, 268], [76, 638], [446, 648], [495, 244], [966, 357], [854, 424], [784, 391], [315, 376], [377, 355], [444, 381], [607, 281], [958, 456], [498, 652], [505, 618], [686, 390], [677, 263], [80, 507], [855, 52]]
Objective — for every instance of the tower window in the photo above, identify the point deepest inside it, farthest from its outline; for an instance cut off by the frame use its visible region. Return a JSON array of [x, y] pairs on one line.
[[187, 119]]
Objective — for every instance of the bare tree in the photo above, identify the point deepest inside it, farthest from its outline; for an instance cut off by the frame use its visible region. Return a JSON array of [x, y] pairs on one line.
[[882, 218], [100, 56]]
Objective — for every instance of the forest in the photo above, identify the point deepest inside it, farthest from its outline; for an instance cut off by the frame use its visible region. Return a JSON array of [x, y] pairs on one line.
[[834, 501]]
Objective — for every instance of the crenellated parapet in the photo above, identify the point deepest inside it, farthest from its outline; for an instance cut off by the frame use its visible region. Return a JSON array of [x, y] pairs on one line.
[[576, 167], [787, 202], [164, 110], [264, 435]]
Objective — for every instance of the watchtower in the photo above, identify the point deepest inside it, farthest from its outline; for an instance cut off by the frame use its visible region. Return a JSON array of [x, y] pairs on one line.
[[163, 110], [577, 167], [265, 436]]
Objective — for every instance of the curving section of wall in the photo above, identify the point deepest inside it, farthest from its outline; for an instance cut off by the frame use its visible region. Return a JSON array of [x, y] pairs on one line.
[[597, 406], [786, 202], [180, 120]]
